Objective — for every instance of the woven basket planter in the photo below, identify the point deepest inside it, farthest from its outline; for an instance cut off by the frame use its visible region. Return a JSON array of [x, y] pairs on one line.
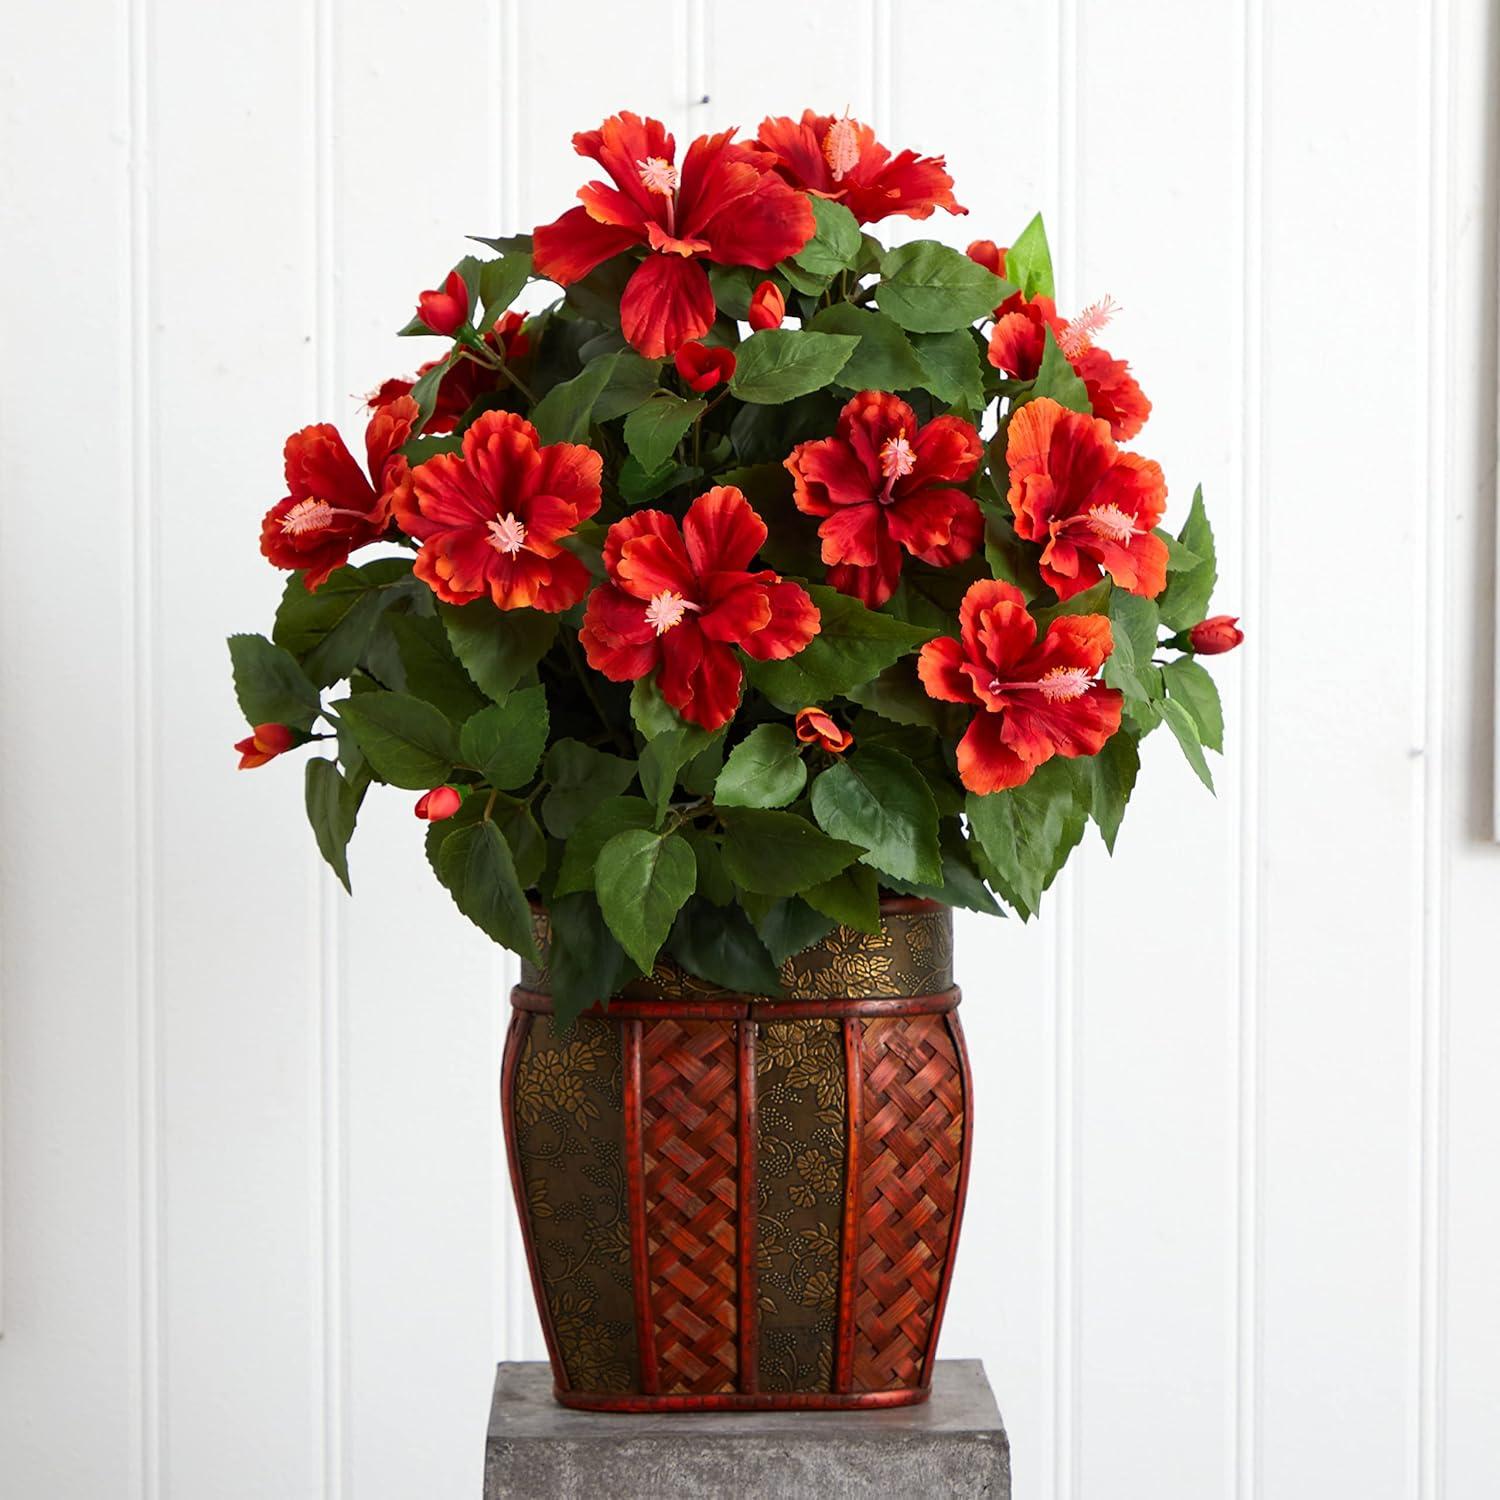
[[735, 1202]]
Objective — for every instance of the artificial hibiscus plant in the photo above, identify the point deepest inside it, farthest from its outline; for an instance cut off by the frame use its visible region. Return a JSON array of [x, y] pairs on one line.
[[762, 571]]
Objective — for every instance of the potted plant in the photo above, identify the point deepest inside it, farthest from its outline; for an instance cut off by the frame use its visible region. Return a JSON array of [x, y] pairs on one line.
[[761, 598]]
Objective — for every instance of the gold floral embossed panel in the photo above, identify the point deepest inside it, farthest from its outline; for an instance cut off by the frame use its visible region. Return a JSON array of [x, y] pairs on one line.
[[801, 1148], [568, 1104]]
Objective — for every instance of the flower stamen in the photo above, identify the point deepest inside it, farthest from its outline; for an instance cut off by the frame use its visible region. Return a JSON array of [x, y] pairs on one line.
[[305, 516], [1077, 336], [1110, 522], [1060, 685], [507, 534], [659, 175], [841, 146], [666, 609], [897, 460]]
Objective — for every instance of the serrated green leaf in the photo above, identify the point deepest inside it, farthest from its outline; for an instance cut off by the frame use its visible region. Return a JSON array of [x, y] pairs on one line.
[[717, 943], [778, 364], [852, 898], [476, 866], [961, 884], [1185, 730], [563, 415], [661, 760], [581, 778], [408, 742], [500, 283], [270, 686], [789, 926], [780, 853], [634, 380], [764, 770], [835, 244], [642, 879], [1112, 774], [1189, 591], [581, 851], [431, 671], [950, 367], [329, 629], [1190, 684], [332, 806], [586, 964], [497, 647], [505, 741], [930, 288], [1028, 262], [654, 429], [883, 360], [1025, 834], [1057, 380], [877, 799], [425, 391], [853, 645]]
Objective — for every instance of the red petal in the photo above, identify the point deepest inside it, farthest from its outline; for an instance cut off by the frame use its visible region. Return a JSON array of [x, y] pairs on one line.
[[925, 521], [1114, 393], [619, 145], [565, 582], [963, 539], [985, 762], [765, 226], [319, 465], [987, 594], [947, 451], [571, 473], [827, 473], [869, 420], [940, 668], [1037, 731], [798, 149], [567, 249], [700, 678], [389, 428], [638, 524], [667, 301], [737, 617], [722, 531], [907, 184], [854, 534], [615, 636], [794, 621]]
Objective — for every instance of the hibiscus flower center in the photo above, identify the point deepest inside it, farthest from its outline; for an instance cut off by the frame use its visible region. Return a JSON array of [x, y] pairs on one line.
[[661, 177], [666, 609], [841, 147], [1060, 685], [1109, 522], [507, 534], [1077, 336], [896, 461], [305, 516]]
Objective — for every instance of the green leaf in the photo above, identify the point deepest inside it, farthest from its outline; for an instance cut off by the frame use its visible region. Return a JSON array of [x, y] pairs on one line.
[[714, 883], [661, 760], [1058, 379], [1189, 590], [1028, 262], [634, 380], [764, 770], [581, 851], [852, 897], [650, 712], [528, 844], [642, 880], [433, 672], [408, 742], [506, 740], [853, 645], [884, 359], [637, 486], [780, 853], [929, 288], [717, 943], [835, 243], [581, 778], [586, 965], [778, 364], [877, 799], [654, 429], [425, 391], [1190, 684], [1026, 834], [329, 630], [961, 884], [500, 283], [563, 415], [1185, 730], [733, 287], [790, 926], [270, 686], [497, 647], [1133, 623], [332, 805], [1112, 774], [476, 865], [897, 694], [950, 367]]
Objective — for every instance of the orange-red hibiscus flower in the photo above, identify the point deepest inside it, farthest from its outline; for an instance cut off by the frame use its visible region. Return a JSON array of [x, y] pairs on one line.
[[492, 520], [1019, 336], [331, 507], [466, 381], [678, 603], [723, 204], [836, 157], [883, 485], [816, 726], [1092, 506], [1036, 698]]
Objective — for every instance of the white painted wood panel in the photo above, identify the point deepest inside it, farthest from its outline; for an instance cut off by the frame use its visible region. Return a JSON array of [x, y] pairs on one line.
[[1235, 1219]]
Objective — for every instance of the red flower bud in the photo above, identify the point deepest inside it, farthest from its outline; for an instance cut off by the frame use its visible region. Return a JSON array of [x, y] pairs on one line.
[[703, 366], [767, 307], [815, 726], [265, 742], [446, 311], [1216, 635], [989, 255], [441, 802]]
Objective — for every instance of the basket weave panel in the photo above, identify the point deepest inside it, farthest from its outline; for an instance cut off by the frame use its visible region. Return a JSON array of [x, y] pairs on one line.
[[909, 1164], [689, 1102]]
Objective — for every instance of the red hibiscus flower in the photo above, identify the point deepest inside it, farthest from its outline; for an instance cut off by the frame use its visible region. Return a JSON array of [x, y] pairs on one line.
[[264, 742], [1036, 699], [703, 366], [466, 381], [331, 507], [816, 726], [1018, 338], [723, 204], [491, 521], [678, 602], [836, 157], [1093, 506], [885, 484]]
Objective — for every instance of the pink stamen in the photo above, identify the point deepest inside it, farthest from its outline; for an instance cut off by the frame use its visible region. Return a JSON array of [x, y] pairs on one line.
[[1060, 685], [896, 461], [507, 535], [1110, 522], [841, 146], [660, 176], [1078, 333], [305, 516], [666, 609]]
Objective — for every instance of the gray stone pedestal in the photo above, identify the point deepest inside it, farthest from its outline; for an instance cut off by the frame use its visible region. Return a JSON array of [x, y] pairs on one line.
[[954, 1445]]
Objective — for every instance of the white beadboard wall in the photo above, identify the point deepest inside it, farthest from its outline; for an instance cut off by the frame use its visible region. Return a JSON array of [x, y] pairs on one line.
[[1234, 1224]]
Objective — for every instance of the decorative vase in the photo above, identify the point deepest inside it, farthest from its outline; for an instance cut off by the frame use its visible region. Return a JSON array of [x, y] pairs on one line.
[[736, 1202]]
